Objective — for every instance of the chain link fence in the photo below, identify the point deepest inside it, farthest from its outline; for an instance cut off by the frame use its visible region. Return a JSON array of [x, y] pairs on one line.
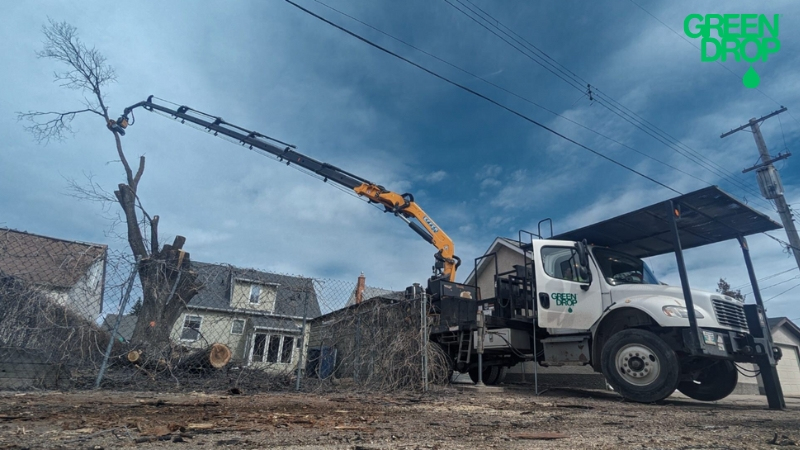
[[76, 316]]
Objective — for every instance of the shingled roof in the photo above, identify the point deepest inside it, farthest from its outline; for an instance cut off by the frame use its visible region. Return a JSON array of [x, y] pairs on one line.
[[294, 294], [46, 261]]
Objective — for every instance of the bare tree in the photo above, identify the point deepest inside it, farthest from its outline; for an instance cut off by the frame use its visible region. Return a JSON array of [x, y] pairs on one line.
[[167, 282]]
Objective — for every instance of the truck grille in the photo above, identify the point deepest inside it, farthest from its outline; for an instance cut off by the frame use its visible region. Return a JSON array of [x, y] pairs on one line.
[[730, 314]]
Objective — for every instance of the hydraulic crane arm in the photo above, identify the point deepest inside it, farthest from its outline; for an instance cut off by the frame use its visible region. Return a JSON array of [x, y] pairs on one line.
[[401, 205]]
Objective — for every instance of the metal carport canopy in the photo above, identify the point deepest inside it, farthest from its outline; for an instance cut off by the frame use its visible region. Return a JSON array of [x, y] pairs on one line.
[[708, 216]]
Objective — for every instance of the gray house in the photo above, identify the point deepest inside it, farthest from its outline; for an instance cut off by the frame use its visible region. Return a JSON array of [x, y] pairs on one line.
[[258, 315]]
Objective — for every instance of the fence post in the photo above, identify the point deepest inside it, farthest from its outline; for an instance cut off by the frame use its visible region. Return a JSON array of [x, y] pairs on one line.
[[302, 341], [425, 337], [357, 359], [123, 303]]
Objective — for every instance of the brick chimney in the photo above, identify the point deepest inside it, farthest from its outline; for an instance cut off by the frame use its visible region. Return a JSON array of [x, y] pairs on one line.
[[360, 288]]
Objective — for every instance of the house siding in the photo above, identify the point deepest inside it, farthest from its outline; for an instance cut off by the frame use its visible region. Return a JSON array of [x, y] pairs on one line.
[[86, 296], [214, 328], [506, 260], [240, 296]]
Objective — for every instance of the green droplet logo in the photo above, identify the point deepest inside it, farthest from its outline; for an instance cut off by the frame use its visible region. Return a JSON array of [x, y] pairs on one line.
[[751, 78], [570, 309]]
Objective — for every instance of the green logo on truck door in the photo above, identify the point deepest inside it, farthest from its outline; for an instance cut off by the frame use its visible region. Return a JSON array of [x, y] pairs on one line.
[[565, 299]]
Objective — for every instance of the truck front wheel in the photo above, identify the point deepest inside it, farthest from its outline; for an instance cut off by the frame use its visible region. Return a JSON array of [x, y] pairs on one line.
[[713, 383], [640, 366]]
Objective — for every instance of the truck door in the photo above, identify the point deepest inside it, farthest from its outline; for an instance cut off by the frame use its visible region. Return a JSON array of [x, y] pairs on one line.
[[566, 303]]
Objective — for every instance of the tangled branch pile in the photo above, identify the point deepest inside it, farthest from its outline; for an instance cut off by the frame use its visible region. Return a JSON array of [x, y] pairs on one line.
[[38, 329], [378, 344]]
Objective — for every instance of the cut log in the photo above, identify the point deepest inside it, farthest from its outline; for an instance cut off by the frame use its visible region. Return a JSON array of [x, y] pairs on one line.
[[219, 355], [135, 356], [216, 356]]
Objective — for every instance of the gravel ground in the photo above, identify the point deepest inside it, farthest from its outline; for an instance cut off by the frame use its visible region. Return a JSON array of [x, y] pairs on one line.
[[447, 418]]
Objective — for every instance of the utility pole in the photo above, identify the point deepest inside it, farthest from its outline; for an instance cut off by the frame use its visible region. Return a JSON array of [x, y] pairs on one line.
[[769, 180]]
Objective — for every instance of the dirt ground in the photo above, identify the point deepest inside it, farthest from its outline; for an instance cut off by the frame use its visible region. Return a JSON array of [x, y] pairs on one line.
[[447, 418]]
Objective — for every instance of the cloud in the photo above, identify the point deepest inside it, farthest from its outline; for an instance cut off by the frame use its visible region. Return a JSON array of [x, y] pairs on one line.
[[435, 177], [488, 171]]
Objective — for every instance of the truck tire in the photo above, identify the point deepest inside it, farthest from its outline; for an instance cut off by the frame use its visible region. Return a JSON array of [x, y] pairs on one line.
[[490, 374], [501, 374], [713, 383], [640, 366]]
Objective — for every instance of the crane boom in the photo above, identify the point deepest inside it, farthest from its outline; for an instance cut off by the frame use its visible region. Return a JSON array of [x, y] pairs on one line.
[[401, 205]]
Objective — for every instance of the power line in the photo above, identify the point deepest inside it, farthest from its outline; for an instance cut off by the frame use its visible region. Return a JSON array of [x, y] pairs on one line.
[[776, 284], [525, 99], [488, 99], [775, 296], [766, 278], [620, 110], [614, 107], [738, 77], [572, 83]]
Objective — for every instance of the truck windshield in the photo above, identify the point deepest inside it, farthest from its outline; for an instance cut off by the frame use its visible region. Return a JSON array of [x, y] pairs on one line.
[[619, 268]]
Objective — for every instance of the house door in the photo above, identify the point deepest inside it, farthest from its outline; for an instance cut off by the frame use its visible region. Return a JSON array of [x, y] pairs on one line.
[[789, 371], [272, 348]]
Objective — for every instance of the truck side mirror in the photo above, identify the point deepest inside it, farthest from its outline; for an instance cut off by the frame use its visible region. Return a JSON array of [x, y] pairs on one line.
[[582, 249]]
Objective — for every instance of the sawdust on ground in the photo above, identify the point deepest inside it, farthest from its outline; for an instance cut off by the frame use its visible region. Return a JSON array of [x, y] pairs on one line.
[[445, 419]]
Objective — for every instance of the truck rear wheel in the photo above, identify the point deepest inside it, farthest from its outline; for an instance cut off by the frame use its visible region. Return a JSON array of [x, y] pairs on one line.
[[715, 382], [640, 366], [490, 375]]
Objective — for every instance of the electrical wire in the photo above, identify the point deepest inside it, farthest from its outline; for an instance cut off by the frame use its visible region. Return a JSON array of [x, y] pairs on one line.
[[484, 97], [782, 133], [738, 77], [495, 102], [775, 296], [609, 103], [765, 278], [762, 289], [525, 99]]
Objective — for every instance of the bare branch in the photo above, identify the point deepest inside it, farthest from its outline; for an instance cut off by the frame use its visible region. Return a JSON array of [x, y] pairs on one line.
[[87, 66], [51, 125], [91, 191]]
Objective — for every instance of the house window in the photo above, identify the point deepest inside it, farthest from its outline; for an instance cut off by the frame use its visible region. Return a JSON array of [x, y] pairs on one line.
[[237, 327], [255, 293], [273, 348], [191, 328], [286, 351]]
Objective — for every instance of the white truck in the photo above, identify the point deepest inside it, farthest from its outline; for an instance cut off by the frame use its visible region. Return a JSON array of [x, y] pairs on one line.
[[570, 302]]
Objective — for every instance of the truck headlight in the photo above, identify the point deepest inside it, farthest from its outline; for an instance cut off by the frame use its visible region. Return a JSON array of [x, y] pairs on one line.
[[680, 311]]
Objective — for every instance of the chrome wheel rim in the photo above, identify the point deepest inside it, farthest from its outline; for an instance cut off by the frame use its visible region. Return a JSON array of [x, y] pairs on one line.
[[637, 364]]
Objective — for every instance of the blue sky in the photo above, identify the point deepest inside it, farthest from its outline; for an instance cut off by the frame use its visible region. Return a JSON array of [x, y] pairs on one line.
[[478, 170]]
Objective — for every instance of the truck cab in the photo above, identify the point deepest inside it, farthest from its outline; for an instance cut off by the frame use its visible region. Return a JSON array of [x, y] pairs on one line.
[[631, 325]]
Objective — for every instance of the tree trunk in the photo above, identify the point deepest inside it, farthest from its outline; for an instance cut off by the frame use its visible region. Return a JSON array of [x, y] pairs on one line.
[[161, 307]]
